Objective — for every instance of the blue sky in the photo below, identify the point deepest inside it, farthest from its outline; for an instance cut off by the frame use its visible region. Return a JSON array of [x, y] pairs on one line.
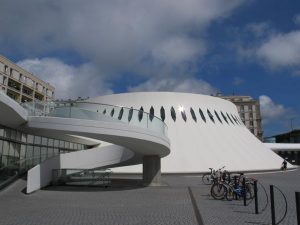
[[102, 47]]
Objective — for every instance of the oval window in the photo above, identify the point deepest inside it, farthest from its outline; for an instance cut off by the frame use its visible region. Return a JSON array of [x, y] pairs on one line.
[[112, 112], [151, 114], [121, 113], [210, 116], [130, 114], [218, 116], [173, 113], [162, 114], [141, 113], [202, 115], [193, 114]]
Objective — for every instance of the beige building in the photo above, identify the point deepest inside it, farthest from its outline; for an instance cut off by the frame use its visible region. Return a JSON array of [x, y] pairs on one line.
[[21, 85], [249, 110]]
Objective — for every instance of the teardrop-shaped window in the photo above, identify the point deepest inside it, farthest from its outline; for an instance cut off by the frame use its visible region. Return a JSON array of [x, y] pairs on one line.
[[210, 115], [230, 119], [193, 114], [173, 113], [224, 117], [237, 119], [130, 114], [234, 119], [218, 117], [104, 111], [202, 115], [141, 113], [183, 115], [121, 114], [162, 114], [112, 112], [151, 114]]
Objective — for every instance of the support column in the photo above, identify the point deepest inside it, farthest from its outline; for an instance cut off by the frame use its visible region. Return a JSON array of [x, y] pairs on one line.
[[151, 170]]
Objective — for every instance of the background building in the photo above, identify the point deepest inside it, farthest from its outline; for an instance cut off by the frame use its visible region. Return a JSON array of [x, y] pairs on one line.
[[249, 111], [21, 85], [288, 145]]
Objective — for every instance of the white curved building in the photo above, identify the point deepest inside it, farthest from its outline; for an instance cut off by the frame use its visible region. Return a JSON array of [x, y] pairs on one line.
[[190, 132], [200, 143]]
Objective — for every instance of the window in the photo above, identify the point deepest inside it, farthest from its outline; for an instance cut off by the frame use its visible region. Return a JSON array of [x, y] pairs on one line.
[[173, 113], [162, 114], [224, 117], [30, 138], [183, 115], [56, 143], [210, 115], [1, 131], [130, 114], [61, 144], [121, 113], [202, 115], [141, 113], [50, 142], [218, 117], [44, 141], [230, 119], [151, 114], [237, 119], [193, 114], [37, 140], [234, 119], [242, 108], [251, 123], [112, 112], [104, 111]]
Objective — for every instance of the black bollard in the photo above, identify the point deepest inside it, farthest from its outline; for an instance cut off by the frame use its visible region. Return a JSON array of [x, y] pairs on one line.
[[244, 191], [255, 197], [298, 207], [272, 204]]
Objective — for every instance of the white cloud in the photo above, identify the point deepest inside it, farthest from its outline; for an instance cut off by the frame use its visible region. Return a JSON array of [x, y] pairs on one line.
[[297, 19], [281, 50], [155, 39], [237, 81], [188, 85], [117, 35], [69, 81], [259, 29], [271, 111]]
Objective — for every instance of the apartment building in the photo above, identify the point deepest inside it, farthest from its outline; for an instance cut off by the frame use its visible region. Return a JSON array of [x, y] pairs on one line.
[[249, 110], [21, 85]]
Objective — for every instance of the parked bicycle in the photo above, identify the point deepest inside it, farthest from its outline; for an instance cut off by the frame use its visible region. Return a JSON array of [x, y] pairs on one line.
[[209, 178], [233, 189]]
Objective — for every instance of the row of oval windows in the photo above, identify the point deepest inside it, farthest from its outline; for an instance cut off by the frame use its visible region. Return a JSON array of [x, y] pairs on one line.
[[232, 118]]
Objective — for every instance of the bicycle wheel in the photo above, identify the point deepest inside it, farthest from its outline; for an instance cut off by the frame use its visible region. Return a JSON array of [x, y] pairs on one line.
[[230, 194], [206, 179], [218, 191], [249, 191]]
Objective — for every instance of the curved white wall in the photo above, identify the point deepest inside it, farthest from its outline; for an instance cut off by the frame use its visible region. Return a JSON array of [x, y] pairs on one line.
[[196, 146]]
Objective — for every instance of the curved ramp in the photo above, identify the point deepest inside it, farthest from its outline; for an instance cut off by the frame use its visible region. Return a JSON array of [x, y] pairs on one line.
[[131, 144]]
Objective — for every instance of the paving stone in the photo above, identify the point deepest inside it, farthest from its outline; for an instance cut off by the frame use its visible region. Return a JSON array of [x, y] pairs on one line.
[[134, 204]]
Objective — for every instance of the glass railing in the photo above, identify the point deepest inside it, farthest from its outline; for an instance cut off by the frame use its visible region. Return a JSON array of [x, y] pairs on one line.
[[96, 111], [10, 172]]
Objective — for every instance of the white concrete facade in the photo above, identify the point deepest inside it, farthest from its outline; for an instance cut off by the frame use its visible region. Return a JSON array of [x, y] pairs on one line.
[[198, 145]]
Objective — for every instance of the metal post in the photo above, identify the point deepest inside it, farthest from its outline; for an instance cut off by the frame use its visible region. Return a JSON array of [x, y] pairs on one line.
[[272, 204], [255, 197], [244, 191], [298, 207]]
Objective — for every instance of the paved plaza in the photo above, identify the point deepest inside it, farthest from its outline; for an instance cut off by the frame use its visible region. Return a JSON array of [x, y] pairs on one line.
[[182, 200]]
